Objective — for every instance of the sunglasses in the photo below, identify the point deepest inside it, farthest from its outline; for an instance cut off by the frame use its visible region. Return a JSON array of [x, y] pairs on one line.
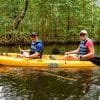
[[33, 36], [82, 34]]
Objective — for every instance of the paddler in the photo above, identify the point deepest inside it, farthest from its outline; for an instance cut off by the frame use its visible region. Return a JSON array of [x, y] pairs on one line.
[[36, 47], [85, 50]]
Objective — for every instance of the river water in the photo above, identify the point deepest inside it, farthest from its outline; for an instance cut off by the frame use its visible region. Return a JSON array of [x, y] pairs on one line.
[[29, 84]]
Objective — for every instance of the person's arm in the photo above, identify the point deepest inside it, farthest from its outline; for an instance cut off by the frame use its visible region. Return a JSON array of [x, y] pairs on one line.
[[35, 55], [28, 50], [72, 52]]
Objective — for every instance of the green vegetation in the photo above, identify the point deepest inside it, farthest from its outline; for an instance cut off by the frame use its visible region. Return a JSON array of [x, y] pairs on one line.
[[55, 20]]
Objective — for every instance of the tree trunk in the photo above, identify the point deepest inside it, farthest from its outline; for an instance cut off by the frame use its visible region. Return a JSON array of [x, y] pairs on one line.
[[19, 18], [68, 19], [92, 17], [84, 10]]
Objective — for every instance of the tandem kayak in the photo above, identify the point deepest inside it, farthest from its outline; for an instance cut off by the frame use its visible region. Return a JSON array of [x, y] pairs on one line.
[[12, 60]]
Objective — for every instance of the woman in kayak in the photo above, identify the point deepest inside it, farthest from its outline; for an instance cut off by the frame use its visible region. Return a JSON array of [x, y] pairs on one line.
[[36, 48], [85, 50]]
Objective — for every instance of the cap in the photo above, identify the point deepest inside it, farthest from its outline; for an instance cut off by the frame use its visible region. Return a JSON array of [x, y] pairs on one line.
[[83, 32], [34, 34]]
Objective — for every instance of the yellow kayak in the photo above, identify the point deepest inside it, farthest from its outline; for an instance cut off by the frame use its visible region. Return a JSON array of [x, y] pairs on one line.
[[12, 60]]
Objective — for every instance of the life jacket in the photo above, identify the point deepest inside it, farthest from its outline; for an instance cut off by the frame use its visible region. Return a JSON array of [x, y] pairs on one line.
[[83, 50], [34, 49]]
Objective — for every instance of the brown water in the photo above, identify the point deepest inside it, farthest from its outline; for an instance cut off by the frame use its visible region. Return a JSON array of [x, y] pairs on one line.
[[29, 84]]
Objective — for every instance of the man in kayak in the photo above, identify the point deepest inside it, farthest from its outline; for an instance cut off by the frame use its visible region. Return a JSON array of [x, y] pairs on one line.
[[85, 50], [36, 48]]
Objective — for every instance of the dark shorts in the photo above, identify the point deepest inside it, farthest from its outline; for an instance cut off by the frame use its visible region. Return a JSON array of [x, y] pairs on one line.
[[31, 52]]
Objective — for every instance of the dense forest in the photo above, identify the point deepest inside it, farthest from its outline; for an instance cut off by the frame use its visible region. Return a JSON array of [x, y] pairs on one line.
[[55, 20]]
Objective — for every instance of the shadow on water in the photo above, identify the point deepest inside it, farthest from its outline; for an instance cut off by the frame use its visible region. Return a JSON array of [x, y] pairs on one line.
[[28, 84]]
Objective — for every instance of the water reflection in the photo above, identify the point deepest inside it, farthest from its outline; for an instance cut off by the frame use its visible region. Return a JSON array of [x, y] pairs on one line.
[[27, 84], [94, 91]]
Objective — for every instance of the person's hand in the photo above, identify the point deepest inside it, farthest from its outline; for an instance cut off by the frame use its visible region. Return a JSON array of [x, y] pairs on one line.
[[79, 57], [67, 53]]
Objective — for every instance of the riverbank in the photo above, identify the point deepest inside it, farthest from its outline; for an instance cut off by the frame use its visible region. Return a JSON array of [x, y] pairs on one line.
[[16, 39]]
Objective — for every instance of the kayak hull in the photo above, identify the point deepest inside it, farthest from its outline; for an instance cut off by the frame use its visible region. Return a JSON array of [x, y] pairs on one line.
[[45, 62]]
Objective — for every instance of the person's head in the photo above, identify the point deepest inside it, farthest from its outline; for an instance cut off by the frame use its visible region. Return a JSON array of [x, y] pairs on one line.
[[34, 36], [83, 34]]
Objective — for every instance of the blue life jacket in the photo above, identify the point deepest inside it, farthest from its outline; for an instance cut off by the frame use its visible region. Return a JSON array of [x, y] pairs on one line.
[[36, 46], [83, 50]]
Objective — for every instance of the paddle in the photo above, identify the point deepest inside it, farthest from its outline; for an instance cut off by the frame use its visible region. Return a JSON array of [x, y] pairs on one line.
[[56, 51], [23, 52], [20, 49]]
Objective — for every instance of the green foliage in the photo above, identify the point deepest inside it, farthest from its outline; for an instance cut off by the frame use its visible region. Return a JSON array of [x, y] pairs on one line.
[[53, 19]]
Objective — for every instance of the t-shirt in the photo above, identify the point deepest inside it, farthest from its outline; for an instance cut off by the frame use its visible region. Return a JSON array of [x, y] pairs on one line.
[[89, 43]]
